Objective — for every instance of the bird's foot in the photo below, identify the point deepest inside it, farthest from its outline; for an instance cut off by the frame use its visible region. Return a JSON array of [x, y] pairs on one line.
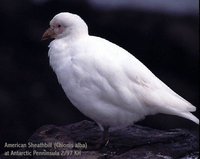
[[97, 144], [100, 143]]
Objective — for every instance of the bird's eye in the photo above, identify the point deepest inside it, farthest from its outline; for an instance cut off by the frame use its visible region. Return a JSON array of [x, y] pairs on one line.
[[59, 25]]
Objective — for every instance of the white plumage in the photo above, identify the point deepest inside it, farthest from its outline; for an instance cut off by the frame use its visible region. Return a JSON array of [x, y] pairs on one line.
[[104, 81]]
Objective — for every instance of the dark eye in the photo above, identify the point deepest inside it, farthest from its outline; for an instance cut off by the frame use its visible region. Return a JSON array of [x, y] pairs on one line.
[[59, 25]]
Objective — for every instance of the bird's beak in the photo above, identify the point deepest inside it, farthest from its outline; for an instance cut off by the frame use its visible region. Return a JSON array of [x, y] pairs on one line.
[[48, 34]]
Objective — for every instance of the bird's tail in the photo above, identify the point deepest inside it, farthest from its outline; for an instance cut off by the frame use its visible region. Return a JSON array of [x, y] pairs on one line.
[[184, 114], [189, 116], [176, 105]]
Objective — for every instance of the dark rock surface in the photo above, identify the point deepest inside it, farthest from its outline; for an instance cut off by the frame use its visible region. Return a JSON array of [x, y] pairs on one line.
[[132, 142]]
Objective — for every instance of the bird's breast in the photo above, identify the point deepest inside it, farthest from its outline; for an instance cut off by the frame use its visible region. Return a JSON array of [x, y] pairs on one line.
[[70, 71]]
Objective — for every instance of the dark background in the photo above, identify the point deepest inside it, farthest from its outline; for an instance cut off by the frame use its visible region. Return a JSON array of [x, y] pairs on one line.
[[164, 38]]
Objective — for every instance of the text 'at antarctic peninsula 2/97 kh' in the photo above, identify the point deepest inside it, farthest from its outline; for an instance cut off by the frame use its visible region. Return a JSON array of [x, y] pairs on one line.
[[44, 149]]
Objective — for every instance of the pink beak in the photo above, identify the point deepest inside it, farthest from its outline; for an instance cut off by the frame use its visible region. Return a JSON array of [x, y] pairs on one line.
[[48, 34]]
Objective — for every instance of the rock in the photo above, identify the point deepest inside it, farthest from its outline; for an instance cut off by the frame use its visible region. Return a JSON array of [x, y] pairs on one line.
[[74, 141]]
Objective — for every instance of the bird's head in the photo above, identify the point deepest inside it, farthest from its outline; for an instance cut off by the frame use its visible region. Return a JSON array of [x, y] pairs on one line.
[[65, 25]]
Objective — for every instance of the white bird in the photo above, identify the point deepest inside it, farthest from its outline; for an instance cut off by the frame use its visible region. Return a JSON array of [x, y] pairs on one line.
[[104, 81]]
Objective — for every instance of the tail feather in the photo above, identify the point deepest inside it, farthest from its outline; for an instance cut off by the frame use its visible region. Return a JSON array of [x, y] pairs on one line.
[[166, 101], [176, 105], [189, 116], [183, 114]]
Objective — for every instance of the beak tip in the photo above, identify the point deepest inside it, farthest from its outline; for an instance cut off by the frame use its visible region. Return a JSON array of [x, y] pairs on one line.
[[43, 38], [48, 34]]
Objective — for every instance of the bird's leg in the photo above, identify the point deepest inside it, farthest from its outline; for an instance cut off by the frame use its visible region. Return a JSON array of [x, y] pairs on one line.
[[105, 137], [103, 141]]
